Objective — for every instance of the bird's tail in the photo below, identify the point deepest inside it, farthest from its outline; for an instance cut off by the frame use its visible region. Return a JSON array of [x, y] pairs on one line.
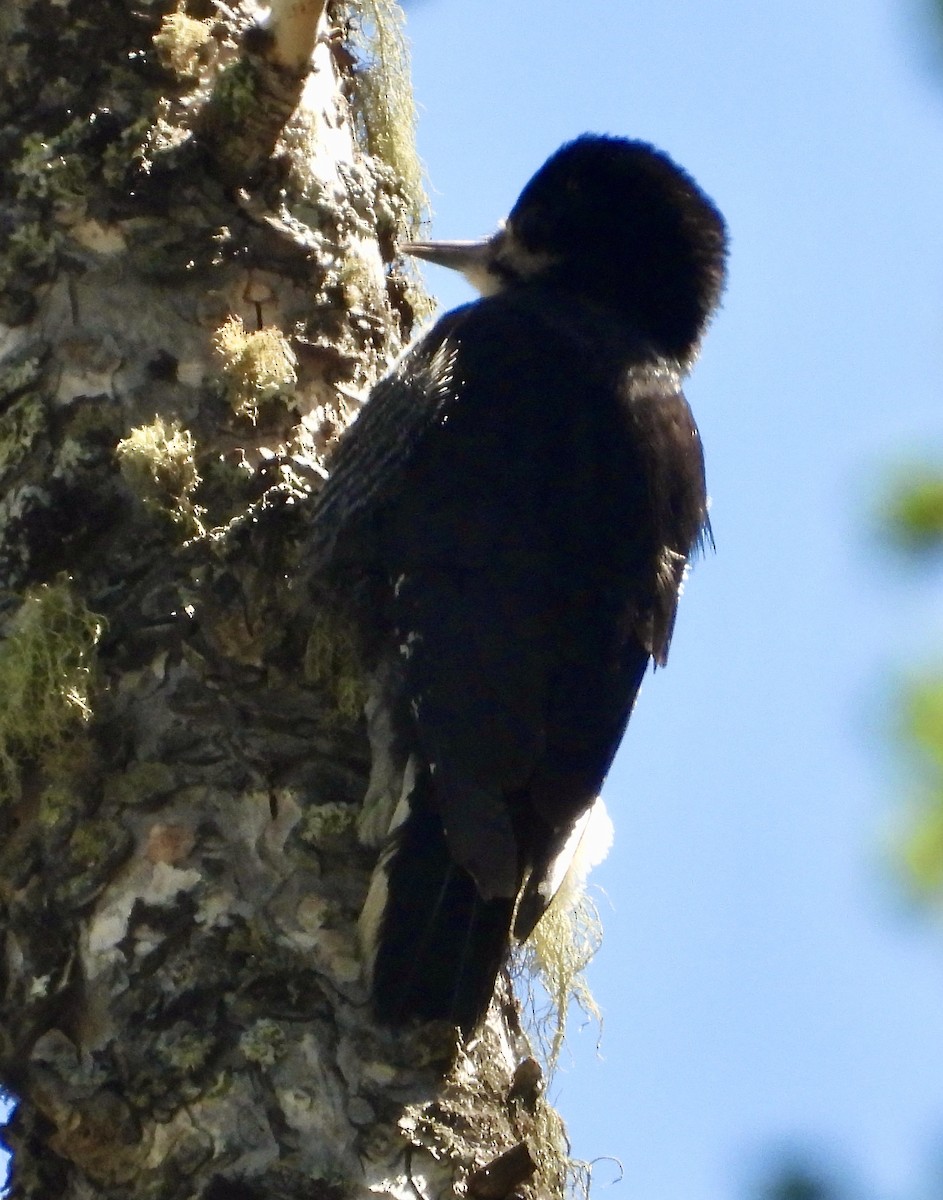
[[437, 945]]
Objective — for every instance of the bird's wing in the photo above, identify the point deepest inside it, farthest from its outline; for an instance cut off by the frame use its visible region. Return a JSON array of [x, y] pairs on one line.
[[401, 410], [674, 465]]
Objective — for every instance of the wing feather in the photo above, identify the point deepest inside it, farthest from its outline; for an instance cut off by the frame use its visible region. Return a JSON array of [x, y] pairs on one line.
[[403, 408]]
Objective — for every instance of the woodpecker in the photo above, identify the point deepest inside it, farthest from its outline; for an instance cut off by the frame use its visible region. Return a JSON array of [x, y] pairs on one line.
[[508, 522]]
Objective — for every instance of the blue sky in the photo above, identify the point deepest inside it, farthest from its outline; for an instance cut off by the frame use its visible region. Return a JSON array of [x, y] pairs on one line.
[[763, 986]]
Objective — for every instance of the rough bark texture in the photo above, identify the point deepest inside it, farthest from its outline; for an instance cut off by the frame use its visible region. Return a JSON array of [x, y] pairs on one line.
[[195, 279]]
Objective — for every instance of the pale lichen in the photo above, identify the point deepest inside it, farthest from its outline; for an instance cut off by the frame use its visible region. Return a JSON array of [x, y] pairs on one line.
[[158, 463], [558, 1173], [386, 105], [258, 365], [551, 963], [179, 43], [555, 956]]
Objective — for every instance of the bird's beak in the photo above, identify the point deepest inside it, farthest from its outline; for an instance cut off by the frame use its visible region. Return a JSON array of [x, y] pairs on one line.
[[467, 257], [475, 260]]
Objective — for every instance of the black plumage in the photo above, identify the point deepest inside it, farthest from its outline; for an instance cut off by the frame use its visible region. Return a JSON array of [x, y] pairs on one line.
[[508, 522]]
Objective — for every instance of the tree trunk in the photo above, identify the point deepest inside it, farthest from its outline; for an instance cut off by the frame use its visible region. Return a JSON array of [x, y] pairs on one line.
[[197, 280]]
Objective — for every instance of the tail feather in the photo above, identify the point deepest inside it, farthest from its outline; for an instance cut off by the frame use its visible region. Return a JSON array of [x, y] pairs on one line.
[[439, 946]]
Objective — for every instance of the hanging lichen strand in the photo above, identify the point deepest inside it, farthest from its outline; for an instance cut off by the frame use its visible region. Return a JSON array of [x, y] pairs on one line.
[[384, 102]]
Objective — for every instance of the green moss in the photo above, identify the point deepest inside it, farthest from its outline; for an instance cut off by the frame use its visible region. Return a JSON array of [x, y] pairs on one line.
[[29, 255], [54, 169], [132, 147], [234, 96], [90, 844], [56, 805], [20, 425], [141, 783], [324, 823], [46, 677], [20, 370], [258, 366], [332, 659], [158, 464], [184, 1048], [69, 769], [264, 1043]]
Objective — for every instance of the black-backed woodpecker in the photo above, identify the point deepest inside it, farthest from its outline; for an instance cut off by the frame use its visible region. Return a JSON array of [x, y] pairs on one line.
[[508, 522]]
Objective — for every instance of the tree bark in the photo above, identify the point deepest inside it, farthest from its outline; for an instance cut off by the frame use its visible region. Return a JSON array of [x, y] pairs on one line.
[[198, 219]]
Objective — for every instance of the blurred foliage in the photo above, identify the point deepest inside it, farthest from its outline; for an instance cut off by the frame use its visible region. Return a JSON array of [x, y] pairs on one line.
[[799, 1183], [912, 520], [921, 844], [912, 514], [802, 1173], [930, 13]]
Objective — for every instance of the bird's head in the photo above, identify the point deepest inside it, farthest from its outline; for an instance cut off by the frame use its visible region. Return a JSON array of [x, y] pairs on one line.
[[619, 224]]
